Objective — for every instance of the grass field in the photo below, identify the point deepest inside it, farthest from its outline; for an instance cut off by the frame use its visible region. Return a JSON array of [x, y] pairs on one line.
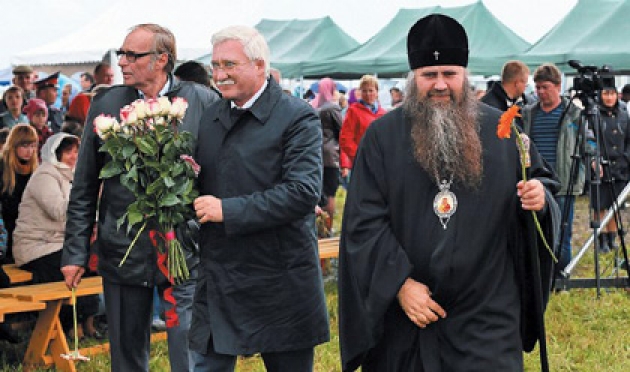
[[585, 333]]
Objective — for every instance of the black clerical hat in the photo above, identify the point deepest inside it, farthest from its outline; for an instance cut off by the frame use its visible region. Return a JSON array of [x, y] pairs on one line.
[[437, 40]]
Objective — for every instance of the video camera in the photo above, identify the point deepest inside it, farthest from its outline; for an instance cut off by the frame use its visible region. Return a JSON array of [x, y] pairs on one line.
[[592, 79]]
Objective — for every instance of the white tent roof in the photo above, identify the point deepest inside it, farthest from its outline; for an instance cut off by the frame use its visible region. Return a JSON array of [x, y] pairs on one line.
[[90, 42]]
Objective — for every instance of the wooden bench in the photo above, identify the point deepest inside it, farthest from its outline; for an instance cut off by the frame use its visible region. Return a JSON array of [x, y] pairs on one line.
[[17, 275], [48, 341], [14, 306], [328, 248]]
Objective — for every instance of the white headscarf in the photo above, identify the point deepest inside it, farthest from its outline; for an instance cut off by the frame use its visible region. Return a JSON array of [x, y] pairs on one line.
[[51, 145]]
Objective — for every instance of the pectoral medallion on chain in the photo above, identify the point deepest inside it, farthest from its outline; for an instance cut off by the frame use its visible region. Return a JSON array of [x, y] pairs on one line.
[[445, 202]]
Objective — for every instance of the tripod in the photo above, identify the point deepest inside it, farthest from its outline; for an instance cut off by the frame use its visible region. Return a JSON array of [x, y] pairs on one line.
[[601, 176]]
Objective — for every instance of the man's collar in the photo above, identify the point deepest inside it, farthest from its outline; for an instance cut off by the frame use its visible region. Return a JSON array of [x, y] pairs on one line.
[[165, 89]]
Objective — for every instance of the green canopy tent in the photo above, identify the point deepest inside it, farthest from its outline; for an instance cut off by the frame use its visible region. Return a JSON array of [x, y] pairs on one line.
[[294, 42], [385, 54], [594, 32]]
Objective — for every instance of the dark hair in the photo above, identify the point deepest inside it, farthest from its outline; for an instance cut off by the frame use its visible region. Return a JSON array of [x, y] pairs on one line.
[[100, 67], [66, 144], [548, 72], [308, 95], [625, 89], [4, 133], [12, 89], [87, 76], [193, 71], [395, 89], [72, 126]]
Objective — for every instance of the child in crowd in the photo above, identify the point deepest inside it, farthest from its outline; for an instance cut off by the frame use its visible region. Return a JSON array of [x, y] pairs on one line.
[[37, 113], [13, 99]]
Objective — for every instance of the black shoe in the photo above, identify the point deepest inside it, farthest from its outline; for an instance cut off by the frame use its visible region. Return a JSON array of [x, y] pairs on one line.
[[611, 241], [603, 243]]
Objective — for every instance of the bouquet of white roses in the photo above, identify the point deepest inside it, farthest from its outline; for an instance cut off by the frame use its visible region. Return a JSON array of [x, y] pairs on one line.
[[149, 153]]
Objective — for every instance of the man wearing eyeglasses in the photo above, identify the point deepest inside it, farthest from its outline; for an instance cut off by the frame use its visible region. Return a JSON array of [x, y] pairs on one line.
[[147, 58], [260, 289]]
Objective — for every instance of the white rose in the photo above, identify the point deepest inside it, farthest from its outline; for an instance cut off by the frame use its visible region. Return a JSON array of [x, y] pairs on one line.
[[104, 125], [140, 107], [178, 107], [128, 115], [165, 105], [160, 121], [153, 107]]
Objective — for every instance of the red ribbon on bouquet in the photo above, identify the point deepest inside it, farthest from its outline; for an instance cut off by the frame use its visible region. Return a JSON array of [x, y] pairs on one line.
[[172, 320]]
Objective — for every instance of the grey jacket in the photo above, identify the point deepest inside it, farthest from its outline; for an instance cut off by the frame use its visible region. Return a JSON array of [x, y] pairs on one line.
[[567, 138], [140, 268]]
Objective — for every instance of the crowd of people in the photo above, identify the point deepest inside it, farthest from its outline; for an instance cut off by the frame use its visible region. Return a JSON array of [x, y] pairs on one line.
[[419, 176]]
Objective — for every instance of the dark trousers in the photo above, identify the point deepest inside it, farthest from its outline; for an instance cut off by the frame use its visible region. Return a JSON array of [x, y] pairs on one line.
[[128, 310], [565, 244], [285, 361], [129, 314]]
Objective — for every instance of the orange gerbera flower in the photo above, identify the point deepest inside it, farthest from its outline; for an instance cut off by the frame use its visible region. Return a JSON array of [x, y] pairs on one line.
[[505, 123], [504, 129]]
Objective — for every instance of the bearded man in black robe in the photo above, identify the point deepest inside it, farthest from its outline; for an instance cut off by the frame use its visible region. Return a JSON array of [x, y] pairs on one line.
[[439, 262]]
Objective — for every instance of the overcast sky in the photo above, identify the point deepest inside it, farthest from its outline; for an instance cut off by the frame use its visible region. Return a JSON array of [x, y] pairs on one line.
[[28, 24]]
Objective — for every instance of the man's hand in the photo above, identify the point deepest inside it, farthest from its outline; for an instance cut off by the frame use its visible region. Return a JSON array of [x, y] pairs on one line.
[[532, 194], [72, 275], [415, 300], [595, 166], [208, 209]]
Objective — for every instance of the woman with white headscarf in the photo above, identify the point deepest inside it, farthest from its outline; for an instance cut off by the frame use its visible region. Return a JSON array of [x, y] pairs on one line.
[[40, 227]]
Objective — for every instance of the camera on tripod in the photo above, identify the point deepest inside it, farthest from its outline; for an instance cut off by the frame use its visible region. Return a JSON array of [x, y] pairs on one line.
[[592, 79]]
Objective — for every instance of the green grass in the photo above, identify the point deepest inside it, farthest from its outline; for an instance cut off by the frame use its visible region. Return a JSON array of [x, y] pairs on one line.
[[585, 333]]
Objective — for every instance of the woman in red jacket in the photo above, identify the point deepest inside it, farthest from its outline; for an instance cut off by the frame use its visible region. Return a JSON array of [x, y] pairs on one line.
[[358, 117]]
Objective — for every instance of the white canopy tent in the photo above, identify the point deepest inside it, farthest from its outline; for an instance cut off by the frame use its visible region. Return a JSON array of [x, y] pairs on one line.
[[94, 41]]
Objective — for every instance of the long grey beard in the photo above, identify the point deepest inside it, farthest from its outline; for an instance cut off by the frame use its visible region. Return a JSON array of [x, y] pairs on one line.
[[446, 135]]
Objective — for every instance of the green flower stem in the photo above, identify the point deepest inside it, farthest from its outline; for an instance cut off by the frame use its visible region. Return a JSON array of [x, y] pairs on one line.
[[132, 244], [75, 321], [177, 266], [522, 156]]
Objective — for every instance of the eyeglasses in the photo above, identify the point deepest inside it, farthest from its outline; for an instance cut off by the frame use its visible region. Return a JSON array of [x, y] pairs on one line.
[[226, 66], [133, 56]]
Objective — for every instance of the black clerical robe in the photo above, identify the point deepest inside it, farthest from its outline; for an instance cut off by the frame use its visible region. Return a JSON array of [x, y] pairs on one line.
[[476, 268]]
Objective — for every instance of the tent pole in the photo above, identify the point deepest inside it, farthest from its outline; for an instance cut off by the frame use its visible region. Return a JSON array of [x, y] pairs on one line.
[[113, 62]]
